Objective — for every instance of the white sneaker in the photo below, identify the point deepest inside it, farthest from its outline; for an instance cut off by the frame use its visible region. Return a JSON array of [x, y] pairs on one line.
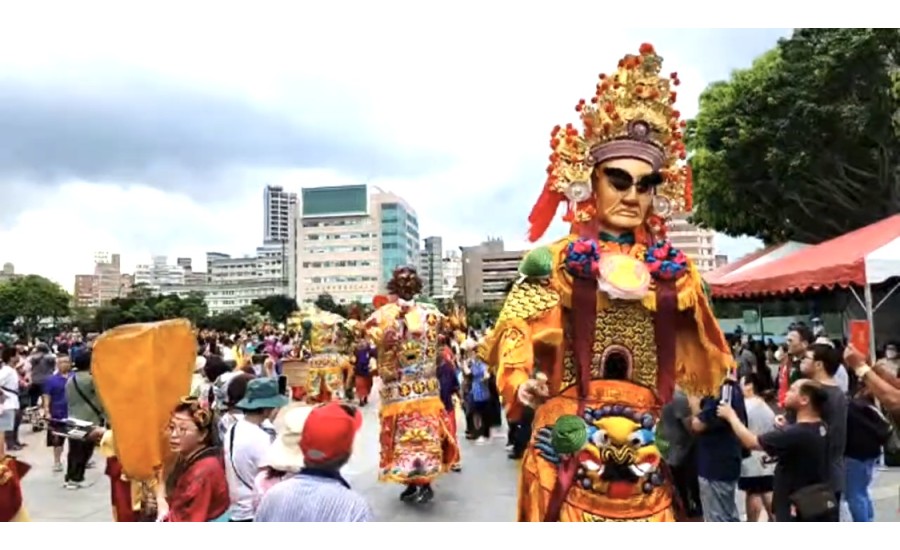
[[482, 441], [72, 485]]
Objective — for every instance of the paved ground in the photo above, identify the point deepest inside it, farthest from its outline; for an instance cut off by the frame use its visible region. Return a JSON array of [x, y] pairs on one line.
[[484, 491]]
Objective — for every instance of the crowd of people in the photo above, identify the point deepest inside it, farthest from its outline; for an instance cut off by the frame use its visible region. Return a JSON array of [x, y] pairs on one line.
[[255, 456], [786, 422], [791, 424]]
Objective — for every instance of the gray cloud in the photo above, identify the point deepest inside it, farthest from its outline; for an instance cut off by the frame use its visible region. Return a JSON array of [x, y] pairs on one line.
[[138, 129]]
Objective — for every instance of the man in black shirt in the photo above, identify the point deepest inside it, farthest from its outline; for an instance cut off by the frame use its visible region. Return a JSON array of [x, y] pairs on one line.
[[801, 448]]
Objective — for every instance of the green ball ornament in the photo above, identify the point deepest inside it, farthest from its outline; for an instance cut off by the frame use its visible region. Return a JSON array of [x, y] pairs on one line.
[[538, 263], [569, 434]]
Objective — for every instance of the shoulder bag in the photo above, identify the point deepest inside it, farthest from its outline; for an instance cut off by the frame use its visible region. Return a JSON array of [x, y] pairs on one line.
[[815, 502], [87, 400]]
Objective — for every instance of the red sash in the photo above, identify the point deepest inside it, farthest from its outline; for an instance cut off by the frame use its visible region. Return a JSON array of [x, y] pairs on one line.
[[119, 492]]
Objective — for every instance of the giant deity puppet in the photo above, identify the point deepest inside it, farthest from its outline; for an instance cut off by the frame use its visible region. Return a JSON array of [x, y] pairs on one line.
[[605, 322], [329, 340], [417, 445]]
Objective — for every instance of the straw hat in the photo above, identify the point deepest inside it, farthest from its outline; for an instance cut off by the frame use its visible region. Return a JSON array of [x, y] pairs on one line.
[[284, 454]]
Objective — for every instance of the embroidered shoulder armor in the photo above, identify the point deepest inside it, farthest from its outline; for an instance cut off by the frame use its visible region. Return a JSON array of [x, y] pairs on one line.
[[528, 300]]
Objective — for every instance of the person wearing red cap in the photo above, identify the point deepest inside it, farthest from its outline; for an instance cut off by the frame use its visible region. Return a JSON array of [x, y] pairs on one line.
[[318, 492]]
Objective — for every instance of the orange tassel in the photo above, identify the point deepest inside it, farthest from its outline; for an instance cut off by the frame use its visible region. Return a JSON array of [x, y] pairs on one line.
[[542, 213]]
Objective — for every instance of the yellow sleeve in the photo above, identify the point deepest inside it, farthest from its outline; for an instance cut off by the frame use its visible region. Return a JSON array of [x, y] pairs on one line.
[[515, 363], [107, 444]]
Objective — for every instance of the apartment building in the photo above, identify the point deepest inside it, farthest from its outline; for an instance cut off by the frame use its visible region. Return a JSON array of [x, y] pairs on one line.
[[279, 212], [191, 277], [487, 271], [431, 267], [452, 269], [158, 273], [338, 245], [85, 293], [695, 242], [106, 283], [229, 296], [8, 272], [398, 227]]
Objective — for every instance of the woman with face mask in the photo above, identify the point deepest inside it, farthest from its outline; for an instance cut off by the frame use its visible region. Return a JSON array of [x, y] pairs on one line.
[[890, 358]]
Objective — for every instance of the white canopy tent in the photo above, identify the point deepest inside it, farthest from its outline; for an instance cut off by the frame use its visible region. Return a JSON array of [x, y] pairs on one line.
[[883, 263]]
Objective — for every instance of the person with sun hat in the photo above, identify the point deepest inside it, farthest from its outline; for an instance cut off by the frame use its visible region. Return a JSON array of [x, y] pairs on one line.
[[318, 492]]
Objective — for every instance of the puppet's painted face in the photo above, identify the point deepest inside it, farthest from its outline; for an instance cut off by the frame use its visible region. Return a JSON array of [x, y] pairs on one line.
[[624, 191]]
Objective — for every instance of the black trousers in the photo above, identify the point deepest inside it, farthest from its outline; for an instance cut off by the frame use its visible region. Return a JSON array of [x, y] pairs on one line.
[[35, 391], [12, 436], [481, 411], [80, 453], [521, 434]]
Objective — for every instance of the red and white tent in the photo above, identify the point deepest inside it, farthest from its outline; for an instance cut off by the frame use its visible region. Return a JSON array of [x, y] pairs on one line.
[[859, 259], [840, 262], [761, 257]]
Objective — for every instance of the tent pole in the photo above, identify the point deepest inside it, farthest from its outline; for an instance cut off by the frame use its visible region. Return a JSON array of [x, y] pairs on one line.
[[870, 318]]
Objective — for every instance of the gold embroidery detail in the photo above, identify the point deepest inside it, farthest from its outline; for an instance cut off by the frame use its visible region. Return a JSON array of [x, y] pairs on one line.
[[591, 518], [528, 300], [623, 324]]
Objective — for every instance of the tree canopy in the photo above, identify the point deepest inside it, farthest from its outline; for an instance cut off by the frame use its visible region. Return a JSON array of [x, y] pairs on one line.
[[804, 144], [278, 307], [26, 301]]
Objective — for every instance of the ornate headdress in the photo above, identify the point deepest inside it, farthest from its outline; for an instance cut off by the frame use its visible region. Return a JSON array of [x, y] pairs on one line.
[[630, 116]]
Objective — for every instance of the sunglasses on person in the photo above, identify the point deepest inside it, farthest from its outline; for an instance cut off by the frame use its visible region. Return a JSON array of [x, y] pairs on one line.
[[622, 181]]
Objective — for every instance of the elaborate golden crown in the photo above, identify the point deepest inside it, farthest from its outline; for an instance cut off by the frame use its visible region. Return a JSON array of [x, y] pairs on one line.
[[630, 116]]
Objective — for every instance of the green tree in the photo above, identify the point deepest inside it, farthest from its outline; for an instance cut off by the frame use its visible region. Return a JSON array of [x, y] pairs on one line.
[[326, 302], [194, 308], [804, 144], [278, 307], [228, 322], [30, 299]]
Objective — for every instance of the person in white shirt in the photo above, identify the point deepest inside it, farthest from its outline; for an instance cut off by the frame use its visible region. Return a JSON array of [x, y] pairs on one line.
[[247, 443], [9, 395]]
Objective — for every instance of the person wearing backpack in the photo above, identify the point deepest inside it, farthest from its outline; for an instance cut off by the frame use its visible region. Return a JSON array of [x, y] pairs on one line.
[[867, 431]]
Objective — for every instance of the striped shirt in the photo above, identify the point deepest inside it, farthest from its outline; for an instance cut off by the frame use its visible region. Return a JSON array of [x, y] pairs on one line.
[[313, 497]]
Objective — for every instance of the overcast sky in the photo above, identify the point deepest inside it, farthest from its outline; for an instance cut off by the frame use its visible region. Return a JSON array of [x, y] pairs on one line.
[[154, 132]]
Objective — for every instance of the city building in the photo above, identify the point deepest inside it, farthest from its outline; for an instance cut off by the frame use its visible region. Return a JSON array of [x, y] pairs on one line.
[[695, 242], [452, 273], [228, 296], [720, 260], [280, 209], [159, 273], [191, 277], [431, 267], [487, 271], [7, 272], [268, 264], [399, 229], [338, 245], [106, 283], [85, 291]]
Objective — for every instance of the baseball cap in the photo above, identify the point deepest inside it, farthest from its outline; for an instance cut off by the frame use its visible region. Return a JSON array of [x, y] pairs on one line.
[[329, 432]]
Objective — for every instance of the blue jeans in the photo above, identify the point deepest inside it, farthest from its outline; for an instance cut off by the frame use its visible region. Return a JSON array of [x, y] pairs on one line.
[[719, 500], [856, 492]]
